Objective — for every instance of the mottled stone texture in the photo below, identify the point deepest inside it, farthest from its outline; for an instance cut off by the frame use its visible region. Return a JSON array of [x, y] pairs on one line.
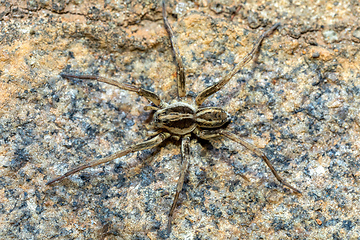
[[299, 102]]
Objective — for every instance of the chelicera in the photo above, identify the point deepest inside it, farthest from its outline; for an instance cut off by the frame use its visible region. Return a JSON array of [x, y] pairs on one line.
[[180, 119]]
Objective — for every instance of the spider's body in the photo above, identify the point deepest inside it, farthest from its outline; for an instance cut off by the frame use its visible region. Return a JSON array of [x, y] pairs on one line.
[[179, 119], [182, 118]]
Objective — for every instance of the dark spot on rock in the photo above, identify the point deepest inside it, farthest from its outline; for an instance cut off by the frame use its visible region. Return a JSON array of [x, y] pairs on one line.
[[58, 6], [217, 8], [348, 225], [315, 55], [21, 157], [71, 54], [147, 176]]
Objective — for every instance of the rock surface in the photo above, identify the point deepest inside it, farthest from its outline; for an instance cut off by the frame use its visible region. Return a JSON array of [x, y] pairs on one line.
[[299, 102]]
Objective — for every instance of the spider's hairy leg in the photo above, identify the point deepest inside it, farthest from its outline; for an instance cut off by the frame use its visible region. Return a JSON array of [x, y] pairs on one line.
[[207, 134], [259, 153], [179, 63], [185, 154], [217, 86], [210, 134], [153, 142], [151, 108], [152, 97]]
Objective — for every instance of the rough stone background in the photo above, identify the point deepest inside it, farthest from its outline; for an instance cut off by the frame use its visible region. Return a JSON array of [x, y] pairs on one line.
[[298, 101]]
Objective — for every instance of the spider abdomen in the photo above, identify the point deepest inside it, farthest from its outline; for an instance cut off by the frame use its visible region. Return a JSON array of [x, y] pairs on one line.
[[177, 118]]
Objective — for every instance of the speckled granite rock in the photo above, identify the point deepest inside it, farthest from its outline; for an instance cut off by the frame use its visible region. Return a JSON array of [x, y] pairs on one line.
[[299, 102]]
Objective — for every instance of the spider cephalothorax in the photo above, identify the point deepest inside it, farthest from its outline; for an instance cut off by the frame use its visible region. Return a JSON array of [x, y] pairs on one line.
[[180, 119]]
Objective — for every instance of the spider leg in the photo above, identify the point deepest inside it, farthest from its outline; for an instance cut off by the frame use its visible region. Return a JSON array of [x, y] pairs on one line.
[[153, 142], [185, 154], [152, 97], [217, 86], [259, 153], [209, 134], [179, 63]]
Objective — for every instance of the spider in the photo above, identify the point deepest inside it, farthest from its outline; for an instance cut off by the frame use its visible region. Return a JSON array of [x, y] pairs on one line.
[[180, 120]]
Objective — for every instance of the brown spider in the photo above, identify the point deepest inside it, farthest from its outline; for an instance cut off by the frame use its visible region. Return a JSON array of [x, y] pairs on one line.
[[180, 119]]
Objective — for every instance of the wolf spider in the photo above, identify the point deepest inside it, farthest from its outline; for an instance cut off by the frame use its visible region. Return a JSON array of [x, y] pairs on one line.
[[180, 119]]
